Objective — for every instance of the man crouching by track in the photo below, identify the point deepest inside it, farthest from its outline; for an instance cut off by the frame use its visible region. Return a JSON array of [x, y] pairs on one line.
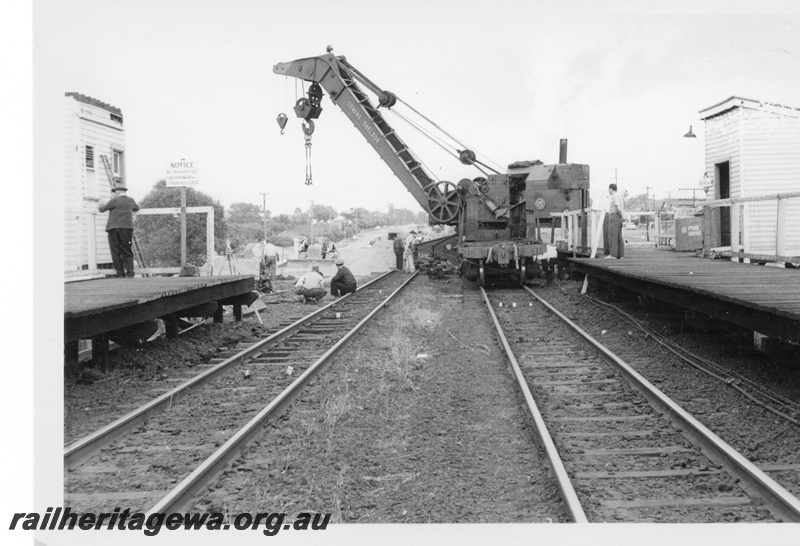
[[343, 282], [309, 287]]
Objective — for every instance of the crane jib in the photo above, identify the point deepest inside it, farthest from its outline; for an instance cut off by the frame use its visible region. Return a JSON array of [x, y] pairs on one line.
[[354, 110], [497, 232], [367, 127], [342, 81]]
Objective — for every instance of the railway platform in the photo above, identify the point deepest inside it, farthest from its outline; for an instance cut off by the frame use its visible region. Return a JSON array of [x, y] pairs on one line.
[[760, 298], [102, 309]]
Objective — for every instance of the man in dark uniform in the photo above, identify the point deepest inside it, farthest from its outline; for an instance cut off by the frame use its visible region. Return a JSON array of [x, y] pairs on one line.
[[343, 282], [120, 229], [399, 248]]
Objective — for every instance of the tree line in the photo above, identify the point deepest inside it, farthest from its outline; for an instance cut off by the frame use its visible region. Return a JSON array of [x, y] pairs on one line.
[[158, 236]]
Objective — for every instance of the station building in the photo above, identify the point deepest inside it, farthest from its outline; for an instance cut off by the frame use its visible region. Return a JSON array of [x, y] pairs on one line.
[[94, 162], [752, 156]]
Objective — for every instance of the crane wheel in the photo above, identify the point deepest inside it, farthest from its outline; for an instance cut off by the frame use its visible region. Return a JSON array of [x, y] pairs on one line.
[[444, 202]]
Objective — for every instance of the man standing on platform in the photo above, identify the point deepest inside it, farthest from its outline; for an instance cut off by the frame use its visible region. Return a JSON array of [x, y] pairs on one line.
[[343, 282], [615, 239], [120, 229]]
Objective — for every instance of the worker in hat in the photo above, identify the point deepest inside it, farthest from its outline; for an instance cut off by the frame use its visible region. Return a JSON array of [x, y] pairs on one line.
[[343, 282], [399, 248], [615, 216], [408, 252], [120, 229], [309, 287]]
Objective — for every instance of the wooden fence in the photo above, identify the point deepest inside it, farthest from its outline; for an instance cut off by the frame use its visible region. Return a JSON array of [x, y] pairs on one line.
[[741, 229]]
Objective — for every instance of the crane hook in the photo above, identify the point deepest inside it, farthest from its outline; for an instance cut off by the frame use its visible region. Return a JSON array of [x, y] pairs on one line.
[[282, 119]]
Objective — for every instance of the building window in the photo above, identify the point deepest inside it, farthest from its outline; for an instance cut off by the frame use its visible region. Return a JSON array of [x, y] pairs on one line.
[[90, 177], [90, 158], [116, 163]]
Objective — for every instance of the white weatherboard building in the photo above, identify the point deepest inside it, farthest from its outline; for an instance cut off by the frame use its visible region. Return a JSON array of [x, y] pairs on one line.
[[94, 135], [752, 150]]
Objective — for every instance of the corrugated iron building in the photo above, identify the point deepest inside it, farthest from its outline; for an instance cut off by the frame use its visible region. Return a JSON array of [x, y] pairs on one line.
[[752, 148], [94, 130]]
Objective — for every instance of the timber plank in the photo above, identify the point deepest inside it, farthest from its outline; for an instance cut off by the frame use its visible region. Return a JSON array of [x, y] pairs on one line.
[[749, 295], [103, 305], [675, 503]]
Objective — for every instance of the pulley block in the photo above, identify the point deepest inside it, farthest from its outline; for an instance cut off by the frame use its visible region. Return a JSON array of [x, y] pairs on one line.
[[467, 157], [306, 110], [387, 99], [282, 119], [315, 94], [308, 127]]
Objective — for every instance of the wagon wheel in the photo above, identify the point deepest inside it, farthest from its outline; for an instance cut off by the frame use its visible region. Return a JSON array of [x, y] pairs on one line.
[[522, 275], [443, 201], [481, 275]]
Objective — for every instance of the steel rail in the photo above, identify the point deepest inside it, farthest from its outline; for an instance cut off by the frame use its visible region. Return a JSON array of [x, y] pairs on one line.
[[183, 493], [568, 494], [80, 450], [784, 504]]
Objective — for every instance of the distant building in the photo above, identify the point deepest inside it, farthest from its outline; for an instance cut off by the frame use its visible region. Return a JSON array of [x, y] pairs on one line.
[[752, 148], [94, 134], [686, 206]]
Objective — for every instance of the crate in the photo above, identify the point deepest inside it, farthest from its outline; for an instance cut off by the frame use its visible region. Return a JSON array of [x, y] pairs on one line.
[[688, 234]]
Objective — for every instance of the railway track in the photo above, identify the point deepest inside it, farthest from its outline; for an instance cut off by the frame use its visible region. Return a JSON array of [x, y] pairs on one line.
[[621, 450], [141, 459]]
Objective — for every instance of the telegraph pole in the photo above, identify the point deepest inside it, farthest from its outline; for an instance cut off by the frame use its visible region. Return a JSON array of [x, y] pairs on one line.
[[616, 177], [264, 195], [646, 204], [694, 190], [311, 222]]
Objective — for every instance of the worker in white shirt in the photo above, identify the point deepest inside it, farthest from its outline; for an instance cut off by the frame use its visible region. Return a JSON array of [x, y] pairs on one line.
[[310, 286], [408, 252], [615, 211]]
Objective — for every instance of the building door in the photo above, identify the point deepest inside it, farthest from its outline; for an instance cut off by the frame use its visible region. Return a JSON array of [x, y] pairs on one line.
[[723, 177]]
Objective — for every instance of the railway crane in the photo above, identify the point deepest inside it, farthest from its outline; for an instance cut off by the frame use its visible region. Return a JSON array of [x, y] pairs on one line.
[[495, 215]]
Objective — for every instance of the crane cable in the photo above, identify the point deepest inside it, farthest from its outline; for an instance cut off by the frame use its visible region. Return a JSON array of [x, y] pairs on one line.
[[308, 130], [435, 140], [455, 153], [456, 140]]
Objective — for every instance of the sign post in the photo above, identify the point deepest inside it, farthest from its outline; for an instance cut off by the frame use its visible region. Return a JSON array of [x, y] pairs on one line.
[[181, 174]]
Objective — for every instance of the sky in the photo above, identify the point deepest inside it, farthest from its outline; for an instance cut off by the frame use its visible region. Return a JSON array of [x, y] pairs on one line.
[[194, 80]]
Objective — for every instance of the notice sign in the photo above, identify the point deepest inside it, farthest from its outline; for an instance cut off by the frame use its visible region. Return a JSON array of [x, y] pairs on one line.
[[182, 173]]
